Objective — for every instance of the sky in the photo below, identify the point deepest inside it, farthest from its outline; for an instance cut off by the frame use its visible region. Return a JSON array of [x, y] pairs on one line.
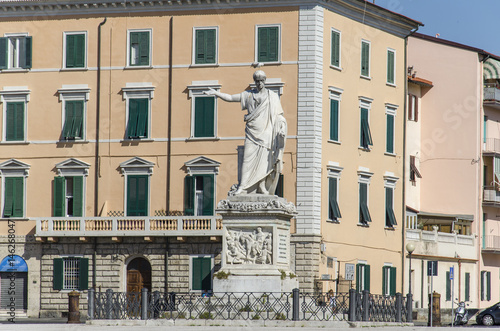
[[470, 22]]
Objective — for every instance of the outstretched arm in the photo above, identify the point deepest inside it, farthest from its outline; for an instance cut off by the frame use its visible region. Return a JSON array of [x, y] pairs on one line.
[[223, 96]]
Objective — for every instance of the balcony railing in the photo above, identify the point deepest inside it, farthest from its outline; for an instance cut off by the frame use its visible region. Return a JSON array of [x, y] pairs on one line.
[[491, 195], [439, 237], [128, 226], [491, 243], [491, 145], [491, 93]]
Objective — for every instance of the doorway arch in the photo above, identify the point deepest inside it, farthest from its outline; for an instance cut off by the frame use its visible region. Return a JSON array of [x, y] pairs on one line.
[[138, 275]]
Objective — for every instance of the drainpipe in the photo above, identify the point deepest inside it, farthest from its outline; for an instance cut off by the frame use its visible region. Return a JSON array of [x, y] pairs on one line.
[[169, 115], [94, 265], [97, 121], [167, 248]]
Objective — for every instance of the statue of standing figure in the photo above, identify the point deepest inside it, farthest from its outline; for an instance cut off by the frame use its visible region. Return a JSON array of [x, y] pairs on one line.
[[265, 136]]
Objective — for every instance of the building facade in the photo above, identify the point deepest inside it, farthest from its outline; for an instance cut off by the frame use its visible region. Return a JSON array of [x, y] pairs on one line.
[[113, 159]]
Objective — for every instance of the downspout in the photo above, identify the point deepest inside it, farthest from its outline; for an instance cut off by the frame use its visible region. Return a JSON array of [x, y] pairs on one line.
[[97, 121], [169, 115], [94, 265], [167, 249]]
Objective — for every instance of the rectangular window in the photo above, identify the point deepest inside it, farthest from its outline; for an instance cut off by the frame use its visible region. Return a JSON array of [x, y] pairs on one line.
[[73, 119], [13, 197], [138, 111], [201, 274], [139, 48], [390, 134], [414, 173], [137, 195], [390, 217], [199, 195], [391, 67], [333, 206], [204, 116], [467, 286], [70, 273], [364, 213], [75, 50], [68, 196], [389, 281], [15, 52], [365, 136], [365, 58], [448, 286], [334, 119], [412, 108], [14, 118], [268, 43], [485, 286], [205, 46], [362, 277], [335, 61]]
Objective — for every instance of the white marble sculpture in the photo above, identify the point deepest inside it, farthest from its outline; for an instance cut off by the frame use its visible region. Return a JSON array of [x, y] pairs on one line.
[[249, 247], [265, 135]]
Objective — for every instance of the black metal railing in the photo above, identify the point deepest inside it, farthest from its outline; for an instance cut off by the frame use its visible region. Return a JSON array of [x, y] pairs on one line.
[[294, 306]]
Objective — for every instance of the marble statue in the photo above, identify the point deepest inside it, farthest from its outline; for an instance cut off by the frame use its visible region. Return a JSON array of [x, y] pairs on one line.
[[265, 135], [249, 247]]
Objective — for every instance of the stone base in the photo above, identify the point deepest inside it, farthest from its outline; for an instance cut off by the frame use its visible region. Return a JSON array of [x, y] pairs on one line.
[[255, 283]]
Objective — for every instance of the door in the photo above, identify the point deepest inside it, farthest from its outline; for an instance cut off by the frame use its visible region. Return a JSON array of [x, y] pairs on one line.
[[138, 275], [13, 284]]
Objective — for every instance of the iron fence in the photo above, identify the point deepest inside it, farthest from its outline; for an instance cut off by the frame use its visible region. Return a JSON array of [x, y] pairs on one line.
[[295, 306]]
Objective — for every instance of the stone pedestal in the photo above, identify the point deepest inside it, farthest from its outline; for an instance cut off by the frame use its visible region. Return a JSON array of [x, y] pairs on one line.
[[255, 244]]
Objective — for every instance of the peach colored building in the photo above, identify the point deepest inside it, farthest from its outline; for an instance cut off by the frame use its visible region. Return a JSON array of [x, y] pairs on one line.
[[113, 159]]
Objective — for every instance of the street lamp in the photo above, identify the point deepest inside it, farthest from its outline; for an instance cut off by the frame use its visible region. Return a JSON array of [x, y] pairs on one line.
[[410, 247]]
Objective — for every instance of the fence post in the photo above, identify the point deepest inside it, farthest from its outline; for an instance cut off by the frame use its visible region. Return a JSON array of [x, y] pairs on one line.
[[409, 308], [90, 303], [399, 307], [352, 305], [109, 303], [144, 304], [295, 304], [366, 306]]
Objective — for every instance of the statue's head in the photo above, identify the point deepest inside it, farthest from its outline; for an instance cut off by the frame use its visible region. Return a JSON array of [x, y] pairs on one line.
[[259, 75]]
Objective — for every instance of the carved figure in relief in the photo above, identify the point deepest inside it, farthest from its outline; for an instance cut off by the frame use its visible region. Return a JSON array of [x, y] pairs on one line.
[[246, 247], [265, 135]]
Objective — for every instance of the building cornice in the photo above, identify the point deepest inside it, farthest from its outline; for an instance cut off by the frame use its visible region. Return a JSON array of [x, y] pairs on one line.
[[358, 10]]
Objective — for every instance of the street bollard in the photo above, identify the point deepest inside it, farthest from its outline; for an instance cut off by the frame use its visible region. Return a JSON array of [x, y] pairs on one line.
[[295, 304], [74, 307]]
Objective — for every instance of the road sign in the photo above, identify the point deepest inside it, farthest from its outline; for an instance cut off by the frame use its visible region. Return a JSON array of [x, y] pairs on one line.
[[451, 272], [432, 268], [349, 271]]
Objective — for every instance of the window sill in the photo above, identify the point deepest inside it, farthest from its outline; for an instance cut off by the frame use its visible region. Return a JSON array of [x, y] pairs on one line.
[[203, 139], [336, 68], [15, 218], [15, 142], [365, 77], [75, 69], [131, 140], [390, 154], [256, 63], [129, 67], [368, 149], [204, 65], [390, 84], [336, 142], [389, 228], [73, 141], [333, 221], [363, 225], [14, 70]]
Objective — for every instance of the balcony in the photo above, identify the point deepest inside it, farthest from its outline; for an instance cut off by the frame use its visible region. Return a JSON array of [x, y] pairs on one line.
[[491, 197], [491, 244], [137, 226], [491, 96], [491, 145], [441, 244]]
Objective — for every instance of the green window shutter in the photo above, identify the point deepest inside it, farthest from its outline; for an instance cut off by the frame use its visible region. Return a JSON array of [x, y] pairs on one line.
[[59, 196], [359, 269], [363, 203], [205, 46], [204, 116], [142, 118], [280, 186], [390, 134], [57, 272], [390, 67], [78, 196], [4, 56], [26, 61], [189, 182], [448, 286], [367, 277], [483, 294], [366, 137], [18, 195], [334, 120], [393, 276], [75, 51], [70, 51], [133, 114], [73, 120], [208, 195], [488, 286], [210, 46], [15, 121], [268, 44], [137, 195], [134, 42], [201, 273], [467, 286], [365, 59], [335, 49], [8, 207], [390, 217], [385, 273], [78, 119], [83, 274], [333, 207], [144, 48]]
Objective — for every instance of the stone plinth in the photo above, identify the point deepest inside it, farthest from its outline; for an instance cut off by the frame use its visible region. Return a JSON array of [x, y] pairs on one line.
[[255, 244]]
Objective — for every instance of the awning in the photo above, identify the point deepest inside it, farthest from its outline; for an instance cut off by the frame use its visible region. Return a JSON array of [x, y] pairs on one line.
[[13, 263], [491, 69]]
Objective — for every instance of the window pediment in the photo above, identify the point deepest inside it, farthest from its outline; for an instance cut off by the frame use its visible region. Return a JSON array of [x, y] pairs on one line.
[[72, 167], [137, 165], [14, 167], [202, 165]]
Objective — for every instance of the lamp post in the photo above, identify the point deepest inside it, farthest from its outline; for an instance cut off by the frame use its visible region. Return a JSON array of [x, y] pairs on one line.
[[410, 247]]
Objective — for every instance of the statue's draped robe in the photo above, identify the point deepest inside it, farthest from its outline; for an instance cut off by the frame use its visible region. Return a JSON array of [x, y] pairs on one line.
[[264, 140]]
